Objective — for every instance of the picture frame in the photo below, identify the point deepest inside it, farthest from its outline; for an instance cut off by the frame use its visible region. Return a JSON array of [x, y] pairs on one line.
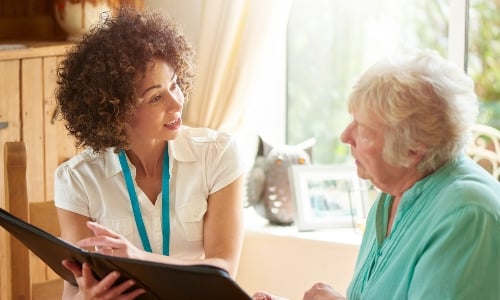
[[327, 196]]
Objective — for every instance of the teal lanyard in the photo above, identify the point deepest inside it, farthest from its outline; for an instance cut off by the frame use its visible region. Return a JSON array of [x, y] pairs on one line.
[[135, 202]]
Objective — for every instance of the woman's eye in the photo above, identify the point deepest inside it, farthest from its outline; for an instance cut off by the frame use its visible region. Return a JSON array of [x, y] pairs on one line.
[[156, 98]]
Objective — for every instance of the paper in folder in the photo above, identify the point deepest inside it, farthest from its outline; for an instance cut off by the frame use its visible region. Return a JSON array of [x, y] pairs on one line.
[[161, 281]]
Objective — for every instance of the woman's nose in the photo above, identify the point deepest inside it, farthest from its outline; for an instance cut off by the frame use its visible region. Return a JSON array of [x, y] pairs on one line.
[[175, 101], [346, 135]]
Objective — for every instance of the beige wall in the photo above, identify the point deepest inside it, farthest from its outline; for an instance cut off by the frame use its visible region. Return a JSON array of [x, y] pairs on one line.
[[186, 13], [288, 265]]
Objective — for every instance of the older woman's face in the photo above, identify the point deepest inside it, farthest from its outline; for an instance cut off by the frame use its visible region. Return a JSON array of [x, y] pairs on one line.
[[366, 138]]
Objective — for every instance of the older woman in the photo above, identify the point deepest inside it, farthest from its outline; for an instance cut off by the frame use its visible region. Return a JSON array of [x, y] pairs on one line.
[[434, 230]]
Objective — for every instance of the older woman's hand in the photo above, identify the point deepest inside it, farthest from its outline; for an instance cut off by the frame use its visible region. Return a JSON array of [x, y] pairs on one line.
[[266, 296], [322, 291]]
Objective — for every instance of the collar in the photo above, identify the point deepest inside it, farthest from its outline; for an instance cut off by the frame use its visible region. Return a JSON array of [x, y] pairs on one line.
[[430, 182], [180, 149]]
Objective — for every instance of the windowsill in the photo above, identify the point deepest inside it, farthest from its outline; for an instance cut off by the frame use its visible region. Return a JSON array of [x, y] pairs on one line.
[[255, 224], [286, 262]]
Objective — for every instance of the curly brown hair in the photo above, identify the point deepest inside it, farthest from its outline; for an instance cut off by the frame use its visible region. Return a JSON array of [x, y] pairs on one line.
[[96, 94]]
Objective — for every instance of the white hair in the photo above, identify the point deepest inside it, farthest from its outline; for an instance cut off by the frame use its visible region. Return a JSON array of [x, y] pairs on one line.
[[421, 99]]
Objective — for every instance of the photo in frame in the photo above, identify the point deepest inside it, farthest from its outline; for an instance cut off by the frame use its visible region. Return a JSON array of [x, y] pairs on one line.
[[327, 196]]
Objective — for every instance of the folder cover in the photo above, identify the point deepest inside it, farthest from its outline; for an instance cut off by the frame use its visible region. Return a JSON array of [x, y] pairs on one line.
[[160, 280]]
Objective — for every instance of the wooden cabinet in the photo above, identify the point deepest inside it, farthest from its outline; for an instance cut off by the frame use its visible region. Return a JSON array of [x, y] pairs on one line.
[[27, 113], [29, 19]]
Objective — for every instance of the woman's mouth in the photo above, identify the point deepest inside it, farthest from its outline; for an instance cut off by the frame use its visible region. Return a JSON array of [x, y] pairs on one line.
[[175, 124]]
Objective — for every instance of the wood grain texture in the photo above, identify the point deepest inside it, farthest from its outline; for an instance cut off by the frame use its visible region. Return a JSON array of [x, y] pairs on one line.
[[25, 269], [10, 113], [32, 125], [27, 103]]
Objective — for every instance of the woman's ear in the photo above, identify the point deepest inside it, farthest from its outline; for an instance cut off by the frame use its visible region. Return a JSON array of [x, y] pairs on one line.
[[416, 154]]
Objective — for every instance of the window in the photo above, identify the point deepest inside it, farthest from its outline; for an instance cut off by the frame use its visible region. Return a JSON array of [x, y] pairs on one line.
[[483, 64], [330, 42]]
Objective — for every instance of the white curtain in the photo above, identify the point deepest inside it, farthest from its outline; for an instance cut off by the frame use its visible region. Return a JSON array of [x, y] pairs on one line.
[[233, 38]]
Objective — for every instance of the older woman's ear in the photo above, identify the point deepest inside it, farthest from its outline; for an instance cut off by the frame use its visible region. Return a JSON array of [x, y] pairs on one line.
[[416, 154]]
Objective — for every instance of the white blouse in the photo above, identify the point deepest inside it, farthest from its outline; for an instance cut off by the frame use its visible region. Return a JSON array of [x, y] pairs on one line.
[[202, 161]]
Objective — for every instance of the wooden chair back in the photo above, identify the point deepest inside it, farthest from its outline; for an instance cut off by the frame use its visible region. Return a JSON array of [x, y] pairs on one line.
[[30, 278]]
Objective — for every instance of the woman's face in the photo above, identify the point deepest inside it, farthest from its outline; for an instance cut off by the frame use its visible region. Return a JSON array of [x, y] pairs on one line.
[[158, 114], [366, 138]]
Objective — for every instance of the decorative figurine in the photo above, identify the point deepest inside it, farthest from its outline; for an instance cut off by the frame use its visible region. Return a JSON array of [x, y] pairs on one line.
[[268, 187]]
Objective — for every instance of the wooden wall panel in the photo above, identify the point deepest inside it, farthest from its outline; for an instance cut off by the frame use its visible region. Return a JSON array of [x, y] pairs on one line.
[[9, 112], [58, 145], [32, 126], [50, 129], [27, 103], [33, 136]]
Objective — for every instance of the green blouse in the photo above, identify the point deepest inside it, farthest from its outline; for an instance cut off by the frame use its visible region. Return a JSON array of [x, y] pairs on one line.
[[444, 243]]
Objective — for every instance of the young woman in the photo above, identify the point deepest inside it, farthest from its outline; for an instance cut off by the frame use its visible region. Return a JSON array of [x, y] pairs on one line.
[[145, 187]]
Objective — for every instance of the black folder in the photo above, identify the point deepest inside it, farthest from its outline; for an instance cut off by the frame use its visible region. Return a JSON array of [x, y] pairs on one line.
[[161, 281]]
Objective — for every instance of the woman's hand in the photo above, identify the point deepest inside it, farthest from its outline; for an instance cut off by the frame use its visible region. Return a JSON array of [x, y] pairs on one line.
[[322, 291], [106, 241], [90, 288], [266, 296]]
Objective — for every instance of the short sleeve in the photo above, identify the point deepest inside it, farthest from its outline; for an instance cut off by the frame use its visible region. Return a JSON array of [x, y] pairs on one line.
[[224, 162], [69, 193]]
